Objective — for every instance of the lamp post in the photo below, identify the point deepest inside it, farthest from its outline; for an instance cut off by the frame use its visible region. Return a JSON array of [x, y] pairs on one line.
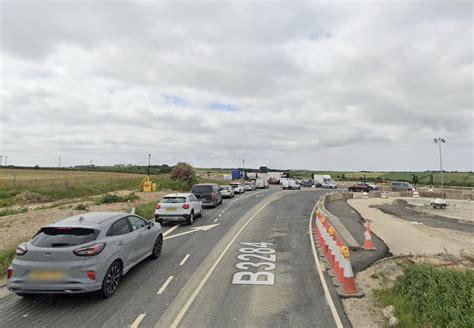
[[439, 141], [243, 167], [149, 158]]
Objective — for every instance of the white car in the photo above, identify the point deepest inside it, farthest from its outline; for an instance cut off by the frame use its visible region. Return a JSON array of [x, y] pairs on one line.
[[227, 191], [178, 207], [238, 188], [329, 184]]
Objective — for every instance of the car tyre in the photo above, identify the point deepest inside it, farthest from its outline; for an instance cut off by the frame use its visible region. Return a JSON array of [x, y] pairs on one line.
[[157, 247], [190, 219], [394, 189], [200, 213], [111, 280]]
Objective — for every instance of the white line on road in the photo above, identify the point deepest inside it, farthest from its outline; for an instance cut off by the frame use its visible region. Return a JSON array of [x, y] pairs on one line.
[[170, 230], [191, 299], [219, 215], [167, 282], [215, 220], [184, 260], [321, 276], [201, 228], [138, 320]]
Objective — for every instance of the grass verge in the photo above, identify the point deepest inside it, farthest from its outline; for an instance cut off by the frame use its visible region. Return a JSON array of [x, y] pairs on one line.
[[112, 198], [6, 257], [12, 211], [147, 211], [429, 296]]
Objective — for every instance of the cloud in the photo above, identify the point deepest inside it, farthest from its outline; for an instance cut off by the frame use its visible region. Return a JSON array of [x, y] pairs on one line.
[[318, 86]]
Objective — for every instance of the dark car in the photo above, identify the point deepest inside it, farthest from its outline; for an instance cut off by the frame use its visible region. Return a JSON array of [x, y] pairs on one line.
[[307, 183], [207, 193], [360, 187]]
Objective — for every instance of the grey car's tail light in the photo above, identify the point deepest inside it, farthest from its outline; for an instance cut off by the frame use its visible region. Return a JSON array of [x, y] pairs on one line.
[[92, 250], [21, 250]]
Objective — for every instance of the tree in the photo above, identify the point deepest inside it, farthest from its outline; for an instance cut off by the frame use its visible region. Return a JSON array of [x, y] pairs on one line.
[[185, 172], [263, 169]]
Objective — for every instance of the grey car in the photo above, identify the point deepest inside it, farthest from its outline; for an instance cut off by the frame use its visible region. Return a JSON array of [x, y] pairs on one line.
[[84, 253]]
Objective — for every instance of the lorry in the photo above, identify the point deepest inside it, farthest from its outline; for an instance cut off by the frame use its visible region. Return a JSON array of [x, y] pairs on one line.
[[290, 184], [261, 183], [274, 177], [236, 175]]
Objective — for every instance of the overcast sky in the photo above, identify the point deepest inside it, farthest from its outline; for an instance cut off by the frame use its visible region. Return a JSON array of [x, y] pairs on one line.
[[343, 86]]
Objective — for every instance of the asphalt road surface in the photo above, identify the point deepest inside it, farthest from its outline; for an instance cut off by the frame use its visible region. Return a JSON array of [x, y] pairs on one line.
[[248, 263]]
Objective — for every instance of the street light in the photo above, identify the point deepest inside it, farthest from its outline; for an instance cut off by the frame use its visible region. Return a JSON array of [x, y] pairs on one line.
[[439, 141]]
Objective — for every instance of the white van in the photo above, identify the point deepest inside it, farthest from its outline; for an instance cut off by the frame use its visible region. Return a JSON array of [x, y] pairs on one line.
[[290, 184]]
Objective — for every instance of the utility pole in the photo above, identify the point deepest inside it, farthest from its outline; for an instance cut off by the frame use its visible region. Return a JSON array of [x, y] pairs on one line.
[[1, 160], [439, 141], [243, 166], [6, 160], [149, 159], [59, 162]]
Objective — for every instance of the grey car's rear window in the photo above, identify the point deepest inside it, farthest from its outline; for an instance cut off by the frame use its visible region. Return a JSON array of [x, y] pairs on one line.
[[63, 237], [173, 200], [202, 189]]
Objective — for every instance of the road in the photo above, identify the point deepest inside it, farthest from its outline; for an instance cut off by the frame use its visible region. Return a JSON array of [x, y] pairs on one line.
[[200, 279]]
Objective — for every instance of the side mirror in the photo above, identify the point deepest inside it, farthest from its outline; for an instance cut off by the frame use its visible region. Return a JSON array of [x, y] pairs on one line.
[[150, 224]]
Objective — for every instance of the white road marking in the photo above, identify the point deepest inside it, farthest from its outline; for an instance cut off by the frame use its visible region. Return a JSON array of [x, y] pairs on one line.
[[170, 230], [215, 220], [329, 300], [201, 228], [167, 282], [191, 299], [138, 320], [219, 215], [184, 260]]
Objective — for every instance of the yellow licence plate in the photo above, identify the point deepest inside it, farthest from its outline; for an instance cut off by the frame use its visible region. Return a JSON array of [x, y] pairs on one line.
[[171, 209], [46, 275]]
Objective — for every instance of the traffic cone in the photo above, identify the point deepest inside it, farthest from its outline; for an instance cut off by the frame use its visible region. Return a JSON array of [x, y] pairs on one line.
[[348, 288], [340, 272], [331, 246], [368, 245]]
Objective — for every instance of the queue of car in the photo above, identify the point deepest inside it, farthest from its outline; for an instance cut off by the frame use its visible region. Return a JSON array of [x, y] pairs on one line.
[[91, 252]]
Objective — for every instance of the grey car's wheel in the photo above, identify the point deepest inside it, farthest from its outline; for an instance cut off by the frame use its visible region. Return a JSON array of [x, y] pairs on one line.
[[190, 220], [157, 247], [111, 279]]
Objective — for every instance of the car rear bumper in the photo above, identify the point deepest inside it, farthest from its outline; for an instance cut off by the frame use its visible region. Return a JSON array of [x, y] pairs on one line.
[[172, 217], [53, 288]]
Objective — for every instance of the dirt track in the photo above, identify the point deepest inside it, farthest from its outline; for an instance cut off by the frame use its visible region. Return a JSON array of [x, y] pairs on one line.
[[401, 209]]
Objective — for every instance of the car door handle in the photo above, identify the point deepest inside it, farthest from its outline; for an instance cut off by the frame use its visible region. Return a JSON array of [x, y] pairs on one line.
[[140, 235], [120, 243]]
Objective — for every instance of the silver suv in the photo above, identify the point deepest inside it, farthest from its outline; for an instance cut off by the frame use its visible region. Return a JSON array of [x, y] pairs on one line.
[[84, 253], [401, 186]]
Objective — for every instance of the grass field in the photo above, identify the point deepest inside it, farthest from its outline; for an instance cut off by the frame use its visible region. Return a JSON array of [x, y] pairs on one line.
[[60, 184], [54, 185]]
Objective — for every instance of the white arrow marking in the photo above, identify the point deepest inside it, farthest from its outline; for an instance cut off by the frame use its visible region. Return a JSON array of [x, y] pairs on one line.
[[202, 228]]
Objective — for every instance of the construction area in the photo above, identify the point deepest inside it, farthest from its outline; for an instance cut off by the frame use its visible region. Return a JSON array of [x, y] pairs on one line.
[[367, 242]]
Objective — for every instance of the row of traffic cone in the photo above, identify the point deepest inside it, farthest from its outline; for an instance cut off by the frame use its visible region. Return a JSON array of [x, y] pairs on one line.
[[338, 258]]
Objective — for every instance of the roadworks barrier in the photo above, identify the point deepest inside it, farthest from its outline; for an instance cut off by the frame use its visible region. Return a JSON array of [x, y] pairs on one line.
[[336, 257]]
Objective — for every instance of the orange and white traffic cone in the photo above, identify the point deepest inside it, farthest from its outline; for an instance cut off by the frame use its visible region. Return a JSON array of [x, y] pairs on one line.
[[348, 288], [331, 246], [368, 245]]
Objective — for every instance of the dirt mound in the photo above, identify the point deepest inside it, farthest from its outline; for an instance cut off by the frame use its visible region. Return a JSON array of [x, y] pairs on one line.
[[29, 197]]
